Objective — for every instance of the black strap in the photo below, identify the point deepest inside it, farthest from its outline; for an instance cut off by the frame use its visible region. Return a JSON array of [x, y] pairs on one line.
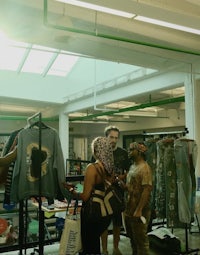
[[106, 183], [100, 173]]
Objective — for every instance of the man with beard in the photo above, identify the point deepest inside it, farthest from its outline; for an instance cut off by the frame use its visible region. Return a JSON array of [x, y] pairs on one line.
[[122, 164]]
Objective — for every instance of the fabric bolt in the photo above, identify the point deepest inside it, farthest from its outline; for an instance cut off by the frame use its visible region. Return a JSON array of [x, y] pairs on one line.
[[184, 149], [25, 183]]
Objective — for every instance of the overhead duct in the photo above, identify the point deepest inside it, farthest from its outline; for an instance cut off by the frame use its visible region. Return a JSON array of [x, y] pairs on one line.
[[110, 37]]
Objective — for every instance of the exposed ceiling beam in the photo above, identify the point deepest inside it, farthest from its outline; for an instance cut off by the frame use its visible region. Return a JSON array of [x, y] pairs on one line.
[[133, 108]]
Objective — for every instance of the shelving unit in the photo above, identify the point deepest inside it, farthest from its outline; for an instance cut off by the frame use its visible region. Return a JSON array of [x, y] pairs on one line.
[[13, 217], [76, 166]]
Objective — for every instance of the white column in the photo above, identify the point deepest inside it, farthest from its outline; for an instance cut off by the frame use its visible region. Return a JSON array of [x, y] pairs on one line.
[[197, 124], [192, 108], [189, 106], [64, 134]]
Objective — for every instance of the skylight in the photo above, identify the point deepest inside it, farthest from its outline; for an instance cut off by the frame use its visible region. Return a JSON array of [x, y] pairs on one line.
[[11, 57], [37, 61], [23, 57], [62, 65]]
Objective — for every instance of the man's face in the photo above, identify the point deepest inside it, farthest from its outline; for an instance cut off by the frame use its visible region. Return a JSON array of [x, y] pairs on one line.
[[113, 138]]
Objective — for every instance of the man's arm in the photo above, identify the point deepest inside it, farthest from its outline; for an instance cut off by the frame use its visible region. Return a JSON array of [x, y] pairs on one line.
[[143, 200], [8, 158]]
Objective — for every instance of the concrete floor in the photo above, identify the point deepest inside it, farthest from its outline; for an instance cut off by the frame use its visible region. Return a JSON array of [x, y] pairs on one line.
[[193, 245]]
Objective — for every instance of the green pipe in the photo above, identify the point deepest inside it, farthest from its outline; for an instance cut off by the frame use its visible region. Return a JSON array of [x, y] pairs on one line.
[[111, 37], [89, 117], [132, 108]]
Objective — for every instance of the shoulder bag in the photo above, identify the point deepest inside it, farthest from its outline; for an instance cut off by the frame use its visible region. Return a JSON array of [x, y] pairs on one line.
[[70, 242], [104, 203]]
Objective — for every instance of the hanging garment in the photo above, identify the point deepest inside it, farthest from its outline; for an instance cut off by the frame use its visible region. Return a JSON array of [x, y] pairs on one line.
[[26, 176], [169, 168], [9, 146], [166, 187], [185, 155], [160, 197], [151, 158], [183, 209]]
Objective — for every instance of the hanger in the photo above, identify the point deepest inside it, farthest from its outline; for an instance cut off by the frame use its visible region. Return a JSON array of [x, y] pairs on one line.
[[38, 124]]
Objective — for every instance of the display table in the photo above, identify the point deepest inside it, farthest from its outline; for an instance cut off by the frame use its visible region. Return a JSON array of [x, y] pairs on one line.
[[54, 209]]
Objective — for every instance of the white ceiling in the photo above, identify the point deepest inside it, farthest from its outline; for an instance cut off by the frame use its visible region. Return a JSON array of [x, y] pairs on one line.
[[125, 43]]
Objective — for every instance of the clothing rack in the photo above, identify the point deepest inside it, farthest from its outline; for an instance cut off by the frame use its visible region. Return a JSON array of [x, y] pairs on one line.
[[186, 226], [183, 132], [22, 229], [198, 225], [187, 249]]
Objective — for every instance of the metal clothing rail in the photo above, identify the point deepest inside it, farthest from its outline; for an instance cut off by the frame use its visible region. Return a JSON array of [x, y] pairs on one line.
[[166, 133], [187, 249], [186, 227], [23, 230]]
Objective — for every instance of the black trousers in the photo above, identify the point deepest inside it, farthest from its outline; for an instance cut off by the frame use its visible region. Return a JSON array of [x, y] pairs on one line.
[[91, 231]]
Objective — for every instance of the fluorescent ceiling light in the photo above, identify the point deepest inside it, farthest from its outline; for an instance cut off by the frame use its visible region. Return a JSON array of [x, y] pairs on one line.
[[90, 121], [120, 104], [130, 15], [77, 114], [141, 113], [175, 92], [14, 108], [167, 24], [98, 8]]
